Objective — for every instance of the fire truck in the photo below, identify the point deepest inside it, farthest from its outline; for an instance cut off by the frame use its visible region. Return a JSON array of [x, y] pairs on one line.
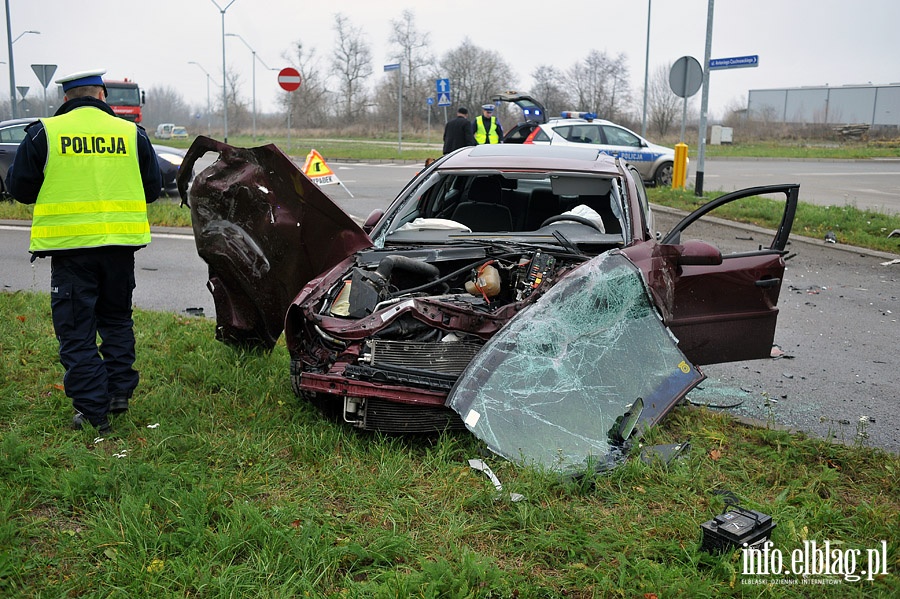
[[125, 98]]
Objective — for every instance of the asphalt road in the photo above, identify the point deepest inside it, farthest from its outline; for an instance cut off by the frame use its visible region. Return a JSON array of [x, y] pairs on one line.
[[838, 327]]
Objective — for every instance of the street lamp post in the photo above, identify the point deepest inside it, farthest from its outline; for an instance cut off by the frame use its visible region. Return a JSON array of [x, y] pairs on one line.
[[12, 63], [252, 51], [646, 73], [208, 107], [224, 78]]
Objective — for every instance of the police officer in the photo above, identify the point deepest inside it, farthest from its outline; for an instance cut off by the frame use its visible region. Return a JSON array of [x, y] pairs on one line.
[[487, 128], [90, 176]]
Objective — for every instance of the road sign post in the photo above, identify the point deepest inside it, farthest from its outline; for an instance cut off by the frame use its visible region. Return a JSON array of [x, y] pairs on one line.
[[396, 67], [685, 79], [289, 80], [44, 73]]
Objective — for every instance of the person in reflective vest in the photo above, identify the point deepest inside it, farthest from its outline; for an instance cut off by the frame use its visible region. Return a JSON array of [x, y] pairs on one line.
[[487, 128], [90, 176]]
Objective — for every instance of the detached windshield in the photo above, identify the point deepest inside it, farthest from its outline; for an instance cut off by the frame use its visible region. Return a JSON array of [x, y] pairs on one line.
[[552, 388]]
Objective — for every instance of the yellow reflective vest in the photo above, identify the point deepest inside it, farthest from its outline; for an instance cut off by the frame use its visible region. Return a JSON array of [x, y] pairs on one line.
[[92, 194], [486, 136]]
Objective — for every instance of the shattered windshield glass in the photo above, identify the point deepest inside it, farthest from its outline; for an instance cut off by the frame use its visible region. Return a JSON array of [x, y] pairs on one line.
[[551, 389]]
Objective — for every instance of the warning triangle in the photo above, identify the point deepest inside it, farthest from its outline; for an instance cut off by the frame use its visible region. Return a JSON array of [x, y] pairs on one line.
[[315, 166], [319, 172]]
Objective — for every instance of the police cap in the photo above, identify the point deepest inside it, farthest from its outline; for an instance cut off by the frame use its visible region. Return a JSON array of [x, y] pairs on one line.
[[82, 78]]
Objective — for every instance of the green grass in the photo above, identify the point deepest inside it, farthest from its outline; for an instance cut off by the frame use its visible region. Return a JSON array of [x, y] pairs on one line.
[[851, 225], [219, 482]]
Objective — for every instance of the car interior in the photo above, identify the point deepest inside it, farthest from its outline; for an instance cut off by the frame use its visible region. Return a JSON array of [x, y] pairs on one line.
[[495, 203]]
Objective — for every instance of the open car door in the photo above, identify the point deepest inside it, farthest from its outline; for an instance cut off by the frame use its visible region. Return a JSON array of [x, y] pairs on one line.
[[721, 307], [265, 230]]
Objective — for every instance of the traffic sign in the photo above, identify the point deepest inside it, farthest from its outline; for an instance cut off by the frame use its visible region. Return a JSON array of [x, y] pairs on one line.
[[392, 67], [735, 62], [429, 101], [443, 99], [442, 86], [685, 77], [289, 79], [23, 89], [44, 72]]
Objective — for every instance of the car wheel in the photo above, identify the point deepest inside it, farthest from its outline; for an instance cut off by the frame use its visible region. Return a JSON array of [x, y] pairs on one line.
[[663, 176]]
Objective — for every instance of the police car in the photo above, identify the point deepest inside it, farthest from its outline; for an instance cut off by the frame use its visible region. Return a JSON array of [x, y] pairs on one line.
[[653, 162]]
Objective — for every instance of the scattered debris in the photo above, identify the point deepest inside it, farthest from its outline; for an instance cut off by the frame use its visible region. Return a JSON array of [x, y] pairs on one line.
[[194, 311], [890, 262], [664, 454], [830, 237], [155, 425], [894, 233], [481, 466]]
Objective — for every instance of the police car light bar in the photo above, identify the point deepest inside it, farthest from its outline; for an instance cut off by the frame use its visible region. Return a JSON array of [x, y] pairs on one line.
[[572, 114]]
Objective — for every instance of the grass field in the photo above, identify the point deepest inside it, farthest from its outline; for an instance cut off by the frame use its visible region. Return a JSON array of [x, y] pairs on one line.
[[220, 483]]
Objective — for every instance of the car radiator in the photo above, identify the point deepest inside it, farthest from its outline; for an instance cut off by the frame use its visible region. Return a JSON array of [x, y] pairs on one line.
[[431, 365]]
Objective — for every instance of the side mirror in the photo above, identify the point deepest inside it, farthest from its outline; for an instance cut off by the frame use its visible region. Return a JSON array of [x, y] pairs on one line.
[[372, 220], [699, 253]]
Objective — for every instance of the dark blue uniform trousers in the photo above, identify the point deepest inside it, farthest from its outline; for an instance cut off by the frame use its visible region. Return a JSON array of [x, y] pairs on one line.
[[90, 295]]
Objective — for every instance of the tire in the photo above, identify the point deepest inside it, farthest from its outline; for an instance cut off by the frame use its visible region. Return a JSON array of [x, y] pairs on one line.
[[663, 175]]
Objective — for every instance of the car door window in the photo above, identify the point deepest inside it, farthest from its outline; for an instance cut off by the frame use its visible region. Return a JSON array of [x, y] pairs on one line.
[[620, 137], [12, 134]]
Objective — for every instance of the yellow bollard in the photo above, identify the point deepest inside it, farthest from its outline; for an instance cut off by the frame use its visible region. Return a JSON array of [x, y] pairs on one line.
[[679, 171]]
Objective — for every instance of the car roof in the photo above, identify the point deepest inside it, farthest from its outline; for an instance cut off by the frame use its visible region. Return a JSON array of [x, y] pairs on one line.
[[17, 122], [528, 157]]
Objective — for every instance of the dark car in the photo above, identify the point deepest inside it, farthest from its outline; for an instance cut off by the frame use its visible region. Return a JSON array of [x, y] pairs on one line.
[[170, 160], [12, 132], [517, 290]]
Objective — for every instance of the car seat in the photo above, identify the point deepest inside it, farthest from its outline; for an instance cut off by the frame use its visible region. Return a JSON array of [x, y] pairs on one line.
[[482, 210], [542, 204]]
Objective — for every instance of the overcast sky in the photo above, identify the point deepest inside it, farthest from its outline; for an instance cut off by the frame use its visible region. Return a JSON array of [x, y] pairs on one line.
[[799, 42]]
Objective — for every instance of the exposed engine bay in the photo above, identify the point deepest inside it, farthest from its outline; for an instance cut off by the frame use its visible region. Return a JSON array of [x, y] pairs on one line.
[[395, 319]]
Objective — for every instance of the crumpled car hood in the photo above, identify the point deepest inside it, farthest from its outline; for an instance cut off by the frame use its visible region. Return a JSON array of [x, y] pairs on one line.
[[265, 230], [552, 388]]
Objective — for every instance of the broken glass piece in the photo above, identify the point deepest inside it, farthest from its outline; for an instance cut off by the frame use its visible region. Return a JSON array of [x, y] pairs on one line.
[[552, 387]]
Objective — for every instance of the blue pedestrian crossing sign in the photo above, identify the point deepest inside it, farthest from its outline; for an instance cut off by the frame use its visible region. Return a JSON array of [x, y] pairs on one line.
[[442, 86]]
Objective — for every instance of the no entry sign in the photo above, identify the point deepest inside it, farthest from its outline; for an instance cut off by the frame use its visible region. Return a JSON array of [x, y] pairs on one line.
[[289, 79]]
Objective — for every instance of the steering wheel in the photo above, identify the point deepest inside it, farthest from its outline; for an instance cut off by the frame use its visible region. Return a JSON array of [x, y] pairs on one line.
[[575, 218]]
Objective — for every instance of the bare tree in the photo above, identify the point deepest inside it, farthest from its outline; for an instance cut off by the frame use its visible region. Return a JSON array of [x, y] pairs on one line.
[[476, 74], [412, 49], [238, 108], [352, 60], [663, 106], [548, 90], [167, 105], [600, 84]]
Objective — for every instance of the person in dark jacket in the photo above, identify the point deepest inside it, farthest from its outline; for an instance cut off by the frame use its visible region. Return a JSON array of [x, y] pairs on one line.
[[458, 132], [90, 176]]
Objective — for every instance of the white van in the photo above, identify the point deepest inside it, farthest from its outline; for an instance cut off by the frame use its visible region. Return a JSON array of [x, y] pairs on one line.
[[164, 131]]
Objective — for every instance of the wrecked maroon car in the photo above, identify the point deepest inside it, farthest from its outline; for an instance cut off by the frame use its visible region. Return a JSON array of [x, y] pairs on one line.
[[518, 291]]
